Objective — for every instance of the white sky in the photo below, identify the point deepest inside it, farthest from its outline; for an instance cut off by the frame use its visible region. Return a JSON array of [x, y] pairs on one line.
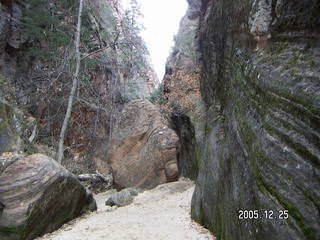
[[161, 21]]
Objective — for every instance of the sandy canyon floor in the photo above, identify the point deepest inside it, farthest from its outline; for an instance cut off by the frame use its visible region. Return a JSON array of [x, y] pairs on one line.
[[159, 214]]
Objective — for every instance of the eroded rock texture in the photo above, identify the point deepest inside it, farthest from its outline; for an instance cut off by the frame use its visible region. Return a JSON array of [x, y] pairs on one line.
[[181, 88], [261, 150], [38, 196], [142, 152]]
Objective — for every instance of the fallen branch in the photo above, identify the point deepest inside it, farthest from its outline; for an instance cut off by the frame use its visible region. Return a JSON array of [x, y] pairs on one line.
[[94, 177]]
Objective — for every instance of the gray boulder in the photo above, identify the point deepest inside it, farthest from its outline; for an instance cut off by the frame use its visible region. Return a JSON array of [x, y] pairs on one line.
[[122, 198], [38, 196], [134, 191]]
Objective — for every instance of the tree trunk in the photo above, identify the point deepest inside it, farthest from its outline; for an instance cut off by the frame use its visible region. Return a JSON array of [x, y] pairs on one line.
[[74, 87]]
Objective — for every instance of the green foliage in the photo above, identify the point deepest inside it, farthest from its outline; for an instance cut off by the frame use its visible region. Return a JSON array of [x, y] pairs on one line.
[[47, 24], [157, 96], [90, 63], [3, 81], [134, 90], [86, 36], [132, 17], [109, 18]]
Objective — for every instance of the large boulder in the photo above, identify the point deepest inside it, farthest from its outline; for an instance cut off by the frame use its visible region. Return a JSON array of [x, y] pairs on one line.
[[142, 151], [38, 196]]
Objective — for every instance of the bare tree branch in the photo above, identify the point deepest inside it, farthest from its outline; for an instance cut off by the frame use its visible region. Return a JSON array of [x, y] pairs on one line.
[[74, 86]]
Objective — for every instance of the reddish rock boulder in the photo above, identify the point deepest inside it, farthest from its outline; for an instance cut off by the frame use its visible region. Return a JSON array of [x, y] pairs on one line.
[[142, 152]]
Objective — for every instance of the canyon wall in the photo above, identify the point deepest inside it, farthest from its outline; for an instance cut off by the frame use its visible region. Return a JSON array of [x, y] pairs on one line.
[[182, 99], [259, 78], [37, 66]]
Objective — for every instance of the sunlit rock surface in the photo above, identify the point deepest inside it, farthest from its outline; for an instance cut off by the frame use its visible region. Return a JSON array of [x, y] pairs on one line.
[[38, 196]]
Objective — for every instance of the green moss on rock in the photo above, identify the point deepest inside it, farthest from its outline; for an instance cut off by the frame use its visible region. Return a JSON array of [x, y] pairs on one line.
[[8, 135]]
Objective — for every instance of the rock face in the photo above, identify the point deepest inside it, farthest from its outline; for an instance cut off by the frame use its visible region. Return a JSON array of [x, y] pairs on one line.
[[188, 154], [38, 196], [260, 148], [142, 152], [181, 85], [260, 81]]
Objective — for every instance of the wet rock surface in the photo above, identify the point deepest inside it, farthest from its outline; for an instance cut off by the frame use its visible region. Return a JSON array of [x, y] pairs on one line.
[[143, 150], [38, 196]]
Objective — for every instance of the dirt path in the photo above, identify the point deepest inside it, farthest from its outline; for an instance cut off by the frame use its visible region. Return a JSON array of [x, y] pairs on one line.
[[160, 214]]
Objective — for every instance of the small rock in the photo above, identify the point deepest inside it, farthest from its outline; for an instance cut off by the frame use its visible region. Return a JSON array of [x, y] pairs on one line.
[[134, 191], [122, 198]]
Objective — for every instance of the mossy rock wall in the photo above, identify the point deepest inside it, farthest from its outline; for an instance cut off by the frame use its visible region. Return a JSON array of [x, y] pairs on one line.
[[262, 147]]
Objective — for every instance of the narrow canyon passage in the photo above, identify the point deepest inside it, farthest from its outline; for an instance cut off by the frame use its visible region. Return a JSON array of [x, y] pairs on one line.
[[86, 120], [161, 213]]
